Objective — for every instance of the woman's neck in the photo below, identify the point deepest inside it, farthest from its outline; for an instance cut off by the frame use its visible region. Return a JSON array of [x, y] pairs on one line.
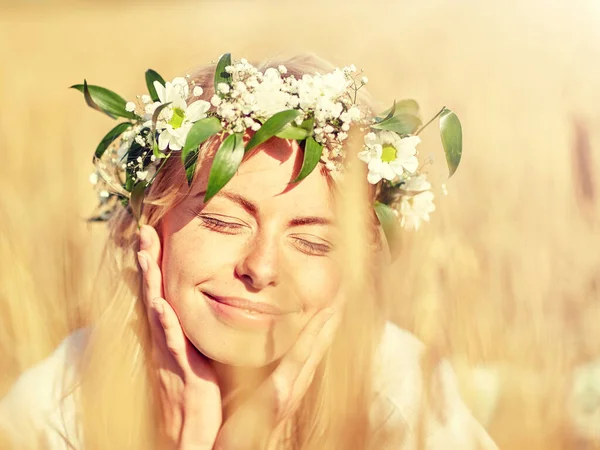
[[238, 383]]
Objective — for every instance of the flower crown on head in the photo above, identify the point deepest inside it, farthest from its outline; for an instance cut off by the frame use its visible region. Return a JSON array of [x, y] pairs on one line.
[[317, 110]]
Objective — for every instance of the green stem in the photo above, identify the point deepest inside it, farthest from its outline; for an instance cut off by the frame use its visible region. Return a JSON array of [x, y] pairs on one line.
[[158, 170], [432, 119]]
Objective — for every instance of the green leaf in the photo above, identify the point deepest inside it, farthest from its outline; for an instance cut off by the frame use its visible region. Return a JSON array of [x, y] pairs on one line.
[[199, 133], [297, 132], [221, 76], [408, 106], [110, 137], [387, 114], [451, 134], [136, 201], [404, 123], [226, 162], [104, 100], [272, 126], [90, 102], [391, 226], [312, 154], [151, 77], [293, 132]]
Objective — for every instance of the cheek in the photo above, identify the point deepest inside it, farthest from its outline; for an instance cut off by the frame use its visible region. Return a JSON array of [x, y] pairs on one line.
[[189, 257], [318, 284]]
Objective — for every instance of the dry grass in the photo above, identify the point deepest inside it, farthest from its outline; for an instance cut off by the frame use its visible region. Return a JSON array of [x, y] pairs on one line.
[[507, 273]]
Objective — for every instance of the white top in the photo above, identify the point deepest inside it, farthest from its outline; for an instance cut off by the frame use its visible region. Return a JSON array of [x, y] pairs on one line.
[[36, 403]]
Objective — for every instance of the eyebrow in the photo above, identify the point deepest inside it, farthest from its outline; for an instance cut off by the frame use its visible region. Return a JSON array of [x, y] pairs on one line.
[[250, 207], [253, 210], [310, 220]]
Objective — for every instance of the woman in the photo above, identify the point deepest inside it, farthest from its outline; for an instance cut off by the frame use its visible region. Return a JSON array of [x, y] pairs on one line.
[[254, 317]]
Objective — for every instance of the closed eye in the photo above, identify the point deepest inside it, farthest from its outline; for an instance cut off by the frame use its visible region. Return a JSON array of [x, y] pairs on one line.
[[312, 248], [220, 226]]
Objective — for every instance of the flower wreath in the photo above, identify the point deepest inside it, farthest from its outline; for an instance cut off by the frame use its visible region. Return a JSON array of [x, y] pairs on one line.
[[316, 110]]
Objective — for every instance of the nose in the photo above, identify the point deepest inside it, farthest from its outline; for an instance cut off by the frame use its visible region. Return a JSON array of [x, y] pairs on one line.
[[259, 267]]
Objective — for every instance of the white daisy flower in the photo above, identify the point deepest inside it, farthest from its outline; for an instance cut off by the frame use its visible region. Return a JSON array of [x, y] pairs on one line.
[[177, 119], [388, 155]]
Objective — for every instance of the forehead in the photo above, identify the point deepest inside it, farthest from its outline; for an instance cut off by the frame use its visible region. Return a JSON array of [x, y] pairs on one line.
[[265, 178]]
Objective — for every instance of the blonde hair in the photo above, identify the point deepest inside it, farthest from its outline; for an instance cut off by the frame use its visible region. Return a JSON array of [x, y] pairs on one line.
[[117, 388]]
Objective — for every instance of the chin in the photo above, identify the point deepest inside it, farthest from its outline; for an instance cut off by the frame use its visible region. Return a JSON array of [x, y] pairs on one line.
[[239, 348]]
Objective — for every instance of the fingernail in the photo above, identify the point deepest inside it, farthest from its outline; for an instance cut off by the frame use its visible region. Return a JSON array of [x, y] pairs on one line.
[[142, 261], [144, 237]]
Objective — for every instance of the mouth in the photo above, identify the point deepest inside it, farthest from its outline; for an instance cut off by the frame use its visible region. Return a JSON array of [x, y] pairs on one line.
[[243, 313], [248, 306]]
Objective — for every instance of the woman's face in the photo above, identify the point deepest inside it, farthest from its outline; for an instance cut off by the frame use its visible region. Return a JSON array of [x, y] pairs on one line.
[[247, 270]]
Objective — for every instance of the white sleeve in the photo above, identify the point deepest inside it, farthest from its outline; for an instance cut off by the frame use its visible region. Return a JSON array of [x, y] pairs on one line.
[[38, 412], [445, 421]]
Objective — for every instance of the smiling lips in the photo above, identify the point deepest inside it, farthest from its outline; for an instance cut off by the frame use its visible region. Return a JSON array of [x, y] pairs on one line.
[[239, 312], [247, 305]]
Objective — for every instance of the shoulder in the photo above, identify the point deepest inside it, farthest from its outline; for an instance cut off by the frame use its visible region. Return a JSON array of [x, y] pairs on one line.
[[418, 394], [40, 405]]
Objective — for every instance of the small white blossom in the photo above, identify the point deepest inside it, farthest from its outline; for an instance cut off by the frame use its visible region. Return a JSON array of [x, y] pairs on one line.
[[140, 140], [150, 108], [141, 175], [417, 184], [282, 69], [215, 100], [354, 112], [416, 209], [94, 178], [146, 99], [130, 107], [269, 96], [223, 88], [198, 91], [364, 80], [104, 194]]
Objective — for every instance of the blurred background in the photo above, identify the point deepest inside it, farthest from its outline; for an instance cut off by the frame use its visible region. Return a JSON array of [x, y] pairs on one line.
[[505, 280]]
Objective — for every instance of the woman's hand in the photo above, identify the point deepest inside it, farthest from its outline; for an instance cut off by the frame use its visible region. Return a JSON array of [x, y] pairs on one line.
[[259, 422], [189, 393]]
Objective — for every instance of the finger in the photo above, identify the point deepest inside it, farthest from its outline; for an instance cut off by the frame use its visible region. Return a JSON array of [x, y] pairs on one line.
[[151, 278], [174, 337], [314, 332], [295, 372], [150, 242], [149, 260]]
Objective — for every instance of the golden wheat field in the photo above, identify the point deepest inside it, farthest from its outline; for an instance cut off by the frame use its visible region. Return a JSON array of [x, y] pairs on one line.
[[504, 280]]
